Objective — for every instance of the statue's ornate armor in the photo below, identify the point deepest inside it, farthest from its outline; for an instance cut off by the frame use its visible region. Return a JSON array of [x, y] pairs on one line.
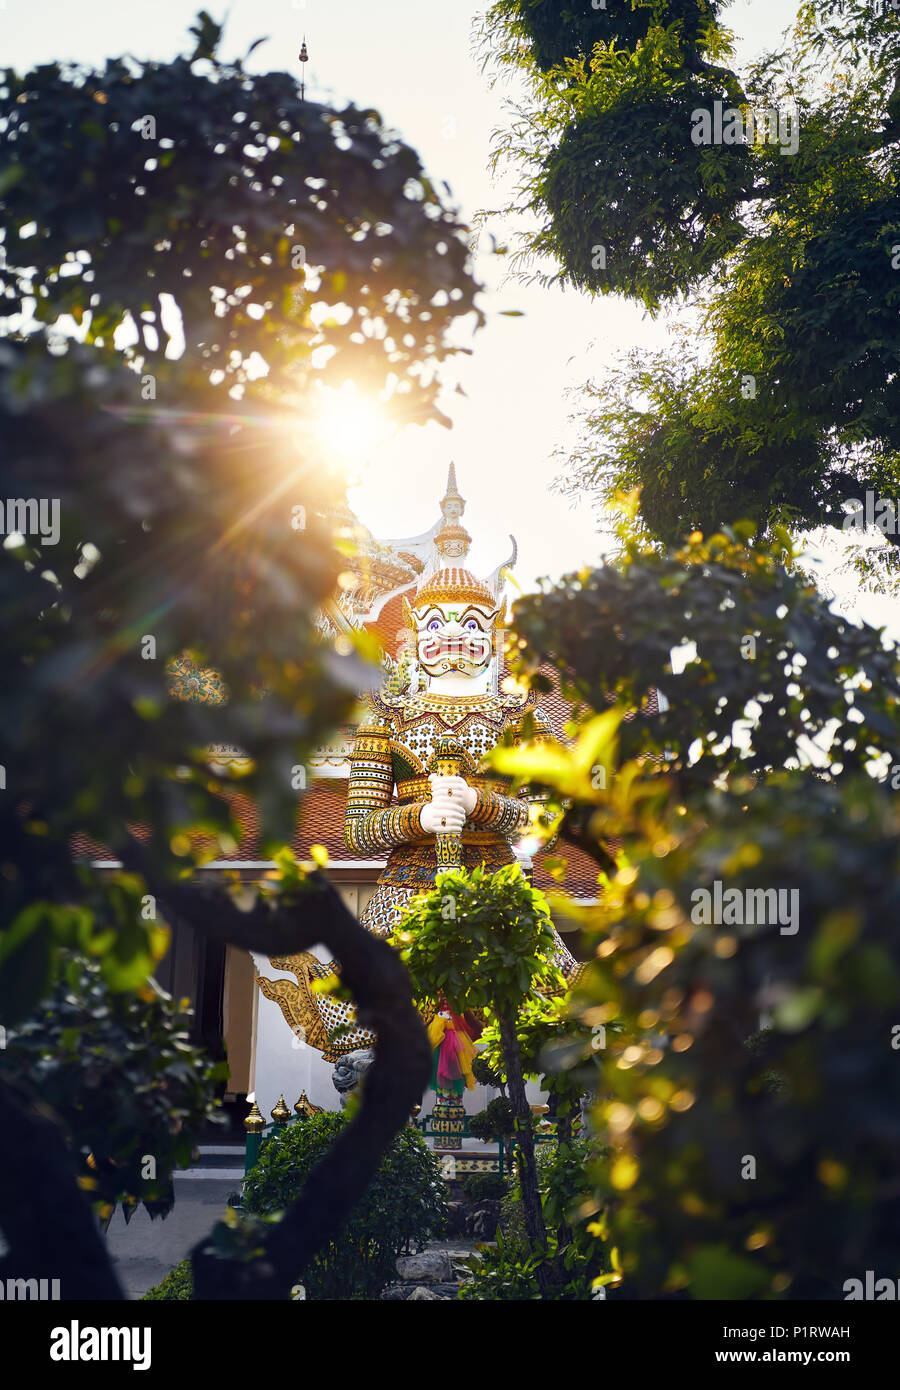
[[392, 749], [455, 615]]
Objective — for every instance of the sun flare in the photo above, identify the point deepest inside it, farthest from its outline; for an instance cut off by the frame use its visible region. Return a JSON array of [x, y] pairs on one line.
[[349, 425]]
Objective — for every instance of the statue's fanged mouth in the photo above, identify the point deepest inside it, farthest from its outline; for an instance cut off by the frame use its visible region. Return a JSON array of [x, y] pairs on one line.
[[475, 649]]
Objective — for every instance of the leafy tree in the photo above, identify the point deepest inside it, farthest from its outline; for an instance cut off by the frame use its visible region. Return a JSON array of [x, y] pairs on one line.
[[746, 1162], [603, 143], [556, 1050], [580, 1257], [723, 1183], [787, 408], [484, 941], [496, 1123], [486, 1075], [121, 1074], [193, 199], [175, 535], [766, 675]]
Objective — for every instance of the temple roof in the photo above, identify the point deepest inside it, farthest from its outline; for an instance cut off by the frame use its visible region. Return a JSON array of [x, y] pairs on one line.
[[320, 821]]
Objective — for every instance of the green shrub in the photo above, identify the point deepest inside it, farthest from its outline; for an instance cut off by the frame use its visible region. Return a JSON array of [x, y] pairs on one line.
[[575, 1254], [178, 1284], [503, 1274], [122, 1075], [493, 1123], [486, 1074], [480, 1187], [403, 1208]]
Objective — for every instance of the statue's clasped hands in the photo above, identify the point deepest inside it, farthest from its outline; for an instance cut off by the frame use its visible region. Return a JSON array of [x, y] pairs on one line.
[[452, 800]]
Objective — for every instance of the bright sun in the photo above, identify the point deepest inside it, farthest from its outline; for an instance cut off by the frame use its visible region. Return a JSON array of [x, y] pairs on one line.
[[349, 425]]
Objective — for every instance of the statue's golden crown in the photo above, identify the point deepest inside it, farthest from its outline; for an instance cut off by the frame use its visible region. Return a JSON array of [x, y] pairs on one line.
[[454, 585]]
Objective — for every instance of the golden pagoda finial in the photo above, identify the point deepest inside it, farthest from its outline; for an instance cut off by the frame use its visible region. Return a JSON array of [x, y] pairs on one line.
[[254, 1122], [453, 540], [281, 1114], [453, 503], [305, 1107]]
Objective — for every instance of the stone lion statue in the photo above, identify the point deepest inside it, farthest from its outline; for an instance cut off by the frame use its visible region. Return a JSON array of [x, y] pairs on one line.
[[349, 1071]]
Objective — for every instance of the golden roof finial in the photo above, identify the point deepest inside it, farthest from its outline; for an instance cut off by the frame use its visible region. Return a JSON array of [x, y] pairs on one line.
[[452, 494], [254, 1122], [305, 1107], [281, 1114]]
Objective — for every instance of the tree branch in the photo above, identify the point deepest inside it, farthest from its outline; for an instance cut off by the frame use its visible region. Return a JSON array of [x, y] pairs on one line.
[[378, 980]]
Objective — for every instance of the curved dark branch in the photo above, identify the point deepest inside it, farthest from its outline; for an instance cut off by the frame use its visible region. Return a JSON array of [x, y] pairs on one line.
[[377, 978]]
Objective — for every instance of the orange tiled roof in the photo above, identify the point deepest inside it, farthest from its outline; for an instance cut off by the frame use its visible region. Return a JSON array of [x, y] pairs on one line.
[[320, 821]]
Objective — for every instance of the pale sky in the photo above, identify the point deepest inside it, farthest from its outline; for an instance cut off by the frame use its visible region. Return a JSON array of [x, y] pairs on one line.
[[413, 61]]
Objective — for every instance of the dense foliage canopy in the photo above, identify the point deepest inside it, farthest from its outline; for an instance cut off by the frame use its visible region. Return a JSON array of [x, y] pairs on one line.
[[748, 1081], [220, 247], [120, 1072], [786, 405], [198, 212]]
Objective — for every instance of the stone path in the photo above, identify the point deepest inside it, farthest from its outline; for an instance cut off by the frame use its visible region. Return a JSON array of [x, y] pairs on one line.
[[145, 1251]]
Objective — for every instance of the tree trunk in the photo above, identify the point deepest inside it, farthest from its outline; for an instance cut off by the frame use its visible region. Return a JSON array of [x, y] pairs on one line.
[[47, 1221], [376, 977], [531, 1197]]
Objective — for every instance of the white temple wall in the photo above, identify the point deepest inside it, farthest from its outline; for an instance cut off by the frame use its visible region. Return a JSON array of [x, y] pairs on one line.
[[286, 1065]]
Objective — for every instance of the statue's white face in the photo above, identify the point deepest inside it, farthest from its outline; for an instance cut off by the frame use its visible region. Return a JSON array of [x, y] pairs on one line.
[[455, 637]]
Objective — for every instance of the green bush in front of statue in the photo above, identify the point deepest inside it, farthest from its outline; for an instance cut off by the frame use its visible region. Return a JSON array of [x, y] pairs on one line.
[[178, 1286], [121, 1074], [577, 1255], [404, 1207]]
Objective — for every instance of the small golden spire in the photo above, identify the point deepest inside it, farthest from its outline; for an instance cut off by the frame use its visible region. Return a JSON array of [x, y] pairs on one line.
[[281, 1114], [254, 1123], [304, 58], [305, 1107]]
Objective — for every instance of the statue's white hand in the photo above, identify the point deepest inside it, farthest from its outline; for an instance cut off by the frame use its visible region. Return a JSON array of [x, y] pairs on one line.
[[455, 788], [442, 815]]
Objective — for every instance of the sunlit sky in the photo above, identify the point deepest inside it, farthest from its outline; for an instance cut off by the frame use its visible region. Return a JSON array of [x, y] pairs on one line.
[[413, 61]]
